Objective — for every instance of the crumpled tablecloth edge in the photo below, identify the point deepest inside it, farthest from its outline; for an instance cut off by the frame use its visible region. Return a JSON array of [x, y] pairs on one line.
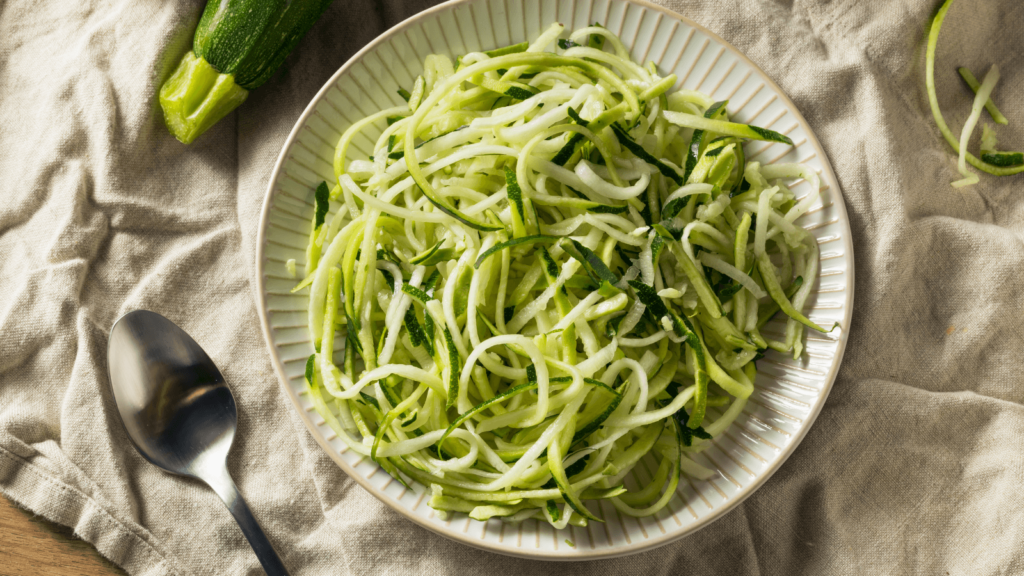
[[127, 546]]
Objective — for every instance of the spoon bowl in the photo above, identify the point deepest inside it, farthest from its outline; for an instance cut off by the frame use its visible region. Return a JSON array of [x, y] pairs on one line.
[[176, 407], [178, 411]]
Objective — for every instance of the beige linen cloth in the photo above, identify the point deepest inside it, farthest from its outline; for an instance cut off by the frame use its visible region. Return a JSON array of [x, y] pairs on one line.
[[915, 465]]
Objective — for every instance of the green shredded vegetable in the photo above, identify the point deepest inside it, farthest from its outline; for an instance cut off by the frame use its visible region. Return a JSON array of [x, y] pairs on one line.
[[1003, 166], [551, 271], [973, 84]]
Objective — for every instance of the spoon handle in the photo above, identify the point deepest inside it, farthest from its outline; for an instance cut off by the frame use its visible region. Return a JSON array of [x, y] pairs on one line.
[[225, 487]]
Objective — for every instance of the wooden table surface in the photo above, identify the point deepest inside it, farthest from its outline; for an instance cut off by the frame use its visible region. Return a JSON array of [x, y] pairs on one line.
[[32, 546]]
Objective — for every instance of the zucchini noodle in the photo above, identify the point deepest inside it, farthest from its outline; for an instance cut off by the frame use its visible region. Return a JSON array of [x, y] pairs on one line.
[[552, 270], [992, 162]]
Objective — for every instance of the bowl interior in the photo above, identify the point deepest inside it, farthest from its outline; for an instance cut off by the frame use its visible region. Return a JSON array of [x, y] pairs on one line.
[[789, 394]]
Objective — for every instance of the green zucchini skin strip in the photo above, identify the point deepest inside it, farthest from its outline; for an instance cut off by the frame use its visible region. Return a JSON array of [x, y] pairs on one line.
[[399, 154], [973, 84], [454, 366], [389, 418], [555, 457], [416, 335], [518, 93], [606, 209], [522, 241], [702, 377], [727, 128], [687, 434], [416, 293], [642, 154], [1003, 159], [425, 255], [696, 277], [512, 49], [553, 511], [697, 141], [589, 206], [323, 204], [431, 282], [444, 206], [649, 298], [515, 202], [590, 427], [771, 284], [310, 369], [933, 100], [442, 255], [514, 90], [769, 310], [577, 118], [419, 336], [672, 209], [591, 262], [569, 149]]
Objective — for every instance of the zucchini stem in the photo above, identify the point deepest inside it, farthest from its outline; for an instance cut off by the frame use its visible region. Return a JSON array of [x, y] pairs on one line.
[[196, 96]]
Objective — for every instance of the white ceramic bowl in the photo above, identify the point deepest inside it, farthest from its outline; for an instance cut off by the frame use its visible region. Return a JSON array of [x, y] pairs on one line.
[[789, 394]]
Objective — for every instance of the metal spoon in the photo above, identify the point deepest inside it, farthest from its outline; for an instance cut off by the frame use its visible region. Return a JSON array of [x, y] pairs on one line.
[[178, 412]]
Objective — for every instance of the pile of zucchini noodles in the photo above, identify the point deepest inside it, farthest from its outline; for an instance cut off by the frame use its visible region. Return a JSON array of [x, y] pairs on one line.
[[569, 279]]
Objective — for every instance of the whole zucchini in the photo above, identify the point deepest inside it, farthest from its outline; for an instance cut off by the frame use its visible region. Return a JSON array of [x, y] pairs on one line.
[[238, 46]]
